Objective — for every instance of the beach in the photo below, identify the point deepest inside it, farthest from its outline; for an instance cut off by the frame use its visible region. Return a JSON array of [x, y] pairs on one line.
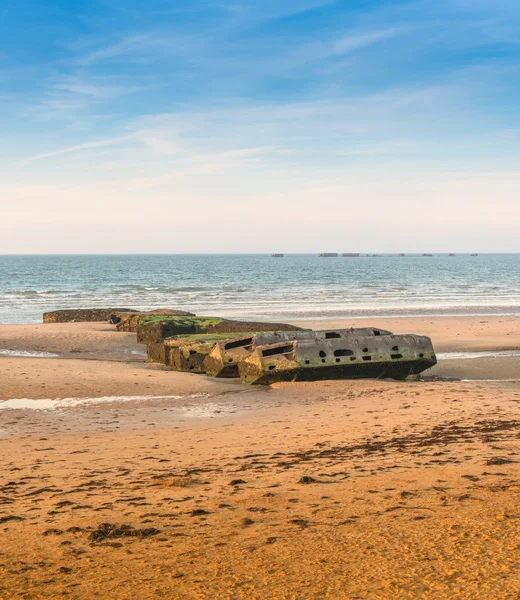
[[132, 481]]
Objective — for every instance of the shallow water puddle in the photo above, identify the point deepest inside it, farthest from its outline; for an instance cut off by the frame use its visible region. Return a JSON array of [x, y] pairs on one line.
[[58, 403], [489, 380], [27, 354], [471, 355]]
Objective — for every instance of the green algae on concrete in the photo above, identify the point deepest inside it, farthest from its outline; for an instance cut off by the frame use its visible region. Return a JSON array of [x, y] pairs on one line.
[[130, 321], [153, 329]]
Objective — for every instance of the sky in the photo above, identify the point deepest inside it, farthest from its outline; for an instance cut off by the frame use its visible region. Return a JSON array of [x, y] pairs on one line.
[[217, 126]]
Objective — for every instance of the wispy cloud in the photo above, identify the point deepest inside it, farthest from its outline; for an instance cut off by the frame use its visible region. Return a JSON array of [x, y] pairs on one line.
[[319, 130], [126, 45], [77, 148], [141, 48], [356, 40], [92, 88]]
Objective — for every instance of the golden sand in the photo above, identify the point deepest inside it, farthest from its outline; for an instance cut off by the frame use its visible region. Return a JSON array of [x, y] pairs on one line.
[[365, 489]]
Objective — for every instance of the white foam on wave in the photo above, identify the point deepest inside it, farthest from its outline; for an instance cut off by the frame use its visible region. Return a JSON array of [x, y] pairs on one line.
[[58, 403], [27, 354], [472, 355]]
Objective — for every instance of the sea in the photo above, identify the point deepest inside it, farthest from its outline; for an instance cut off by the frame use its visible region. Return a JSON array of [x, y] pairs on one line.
[[261, 287]]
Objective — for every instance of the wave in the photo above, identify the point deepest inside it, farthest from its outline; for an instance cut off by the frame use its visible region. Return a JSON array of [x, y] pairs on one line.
[[21, 292], [38, 292], [298, 287]]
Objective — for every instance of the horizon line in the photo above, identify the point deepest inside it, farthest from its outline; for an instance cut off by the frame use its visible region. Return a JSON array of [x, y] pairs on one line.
[[269, 254]]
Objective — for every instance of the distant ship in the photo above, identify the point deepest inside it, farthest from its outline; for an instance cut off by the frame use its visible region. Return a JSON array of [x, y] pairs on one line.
[[425, 254], [401, 254], [475, 254], [276, 255], [328, 254], [351, 254], [452, 254]]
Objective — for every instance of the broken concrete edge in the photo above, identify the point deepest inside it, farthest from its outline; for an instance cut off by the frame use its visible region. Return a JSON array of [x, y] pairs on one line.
[[187, 352]]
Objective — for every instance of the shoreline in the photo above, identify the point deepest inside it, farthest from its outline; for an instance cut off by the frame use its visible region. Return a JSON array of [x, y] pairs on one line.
[[320, 316]]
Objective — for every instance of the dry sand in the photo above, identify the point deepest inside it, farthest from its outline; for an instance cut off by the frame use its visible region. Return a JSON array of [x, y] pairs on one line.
[[366, 489]]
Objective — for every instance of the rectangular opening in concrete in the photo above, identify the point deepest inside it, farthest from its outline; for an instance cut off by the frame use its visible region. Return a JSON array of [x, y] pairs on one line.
[[238, 343], [278, 350]]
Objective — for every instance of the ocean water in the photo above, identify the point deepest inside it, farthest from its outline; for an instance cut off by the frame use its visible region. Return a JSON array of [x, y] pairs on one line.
[[261, 287]]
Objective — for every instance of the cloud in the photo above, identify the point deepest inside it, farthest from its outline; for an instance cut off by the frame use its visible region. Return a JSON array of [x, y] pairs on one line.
[[143, 48], [77, 148], [124, 46], [93, 88], [321, 132], [354, 41]]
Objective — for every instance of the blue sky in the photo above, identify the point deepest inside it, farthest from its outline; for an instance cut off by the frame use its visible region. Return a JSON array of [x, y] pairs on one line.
[[258, 126]]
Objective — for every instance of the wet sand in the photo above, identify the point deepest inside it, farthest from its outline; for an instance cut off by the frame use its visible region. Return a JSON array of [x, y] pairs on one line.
[[364, 489]]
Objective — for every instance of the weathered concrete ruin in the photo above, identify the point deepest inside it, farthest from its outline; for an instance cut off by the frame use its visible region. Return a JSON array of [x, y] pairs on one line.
[[292, 355], [189, 353], [78, 315], [263, 353], [351, 357], [224, 358]]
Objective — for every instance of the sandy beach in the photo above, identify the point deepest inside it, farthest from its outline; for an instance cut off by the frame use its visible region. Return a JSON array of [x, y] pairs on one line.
[[147, 483]]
